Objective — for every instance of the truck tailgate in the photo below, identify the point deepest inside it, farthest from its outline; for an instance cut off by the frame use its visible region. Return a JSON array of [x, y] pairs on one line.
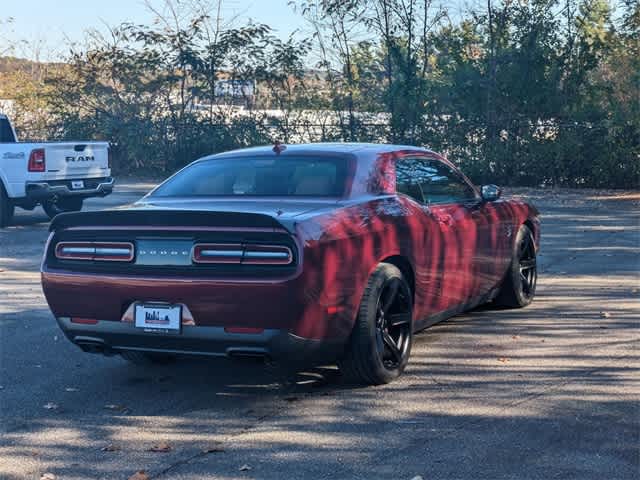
[[76, 160]]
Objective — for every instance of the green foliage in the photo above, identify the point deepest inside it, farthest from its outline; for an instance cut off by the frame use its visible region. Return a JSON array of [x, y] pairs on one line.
[[151, 90], [521, 93]]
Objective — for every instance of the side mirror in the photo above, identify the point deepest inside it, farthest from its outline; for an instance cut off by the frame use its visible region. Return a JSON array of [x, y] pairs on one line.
[[490, 193]]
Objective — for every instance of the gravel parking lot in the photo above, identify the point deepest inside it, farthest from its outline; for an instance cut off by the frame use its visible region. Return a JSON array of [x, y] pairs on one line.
[[550, 391]]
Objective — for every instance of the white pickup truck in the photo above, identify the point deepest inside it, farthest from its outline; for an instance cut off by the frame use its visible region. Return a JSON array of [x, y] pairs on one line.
[[58, 176]]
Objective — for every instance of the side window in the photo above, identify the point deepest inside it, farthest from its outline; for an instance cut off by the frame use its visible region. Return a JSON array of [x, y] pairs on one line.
[[6, 134], [407, 182], [441, 184]]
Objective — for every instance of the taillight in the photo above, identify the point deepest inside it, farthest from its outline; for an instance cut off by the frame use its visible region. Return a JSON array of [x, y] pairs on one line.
[[36, 160], [242, 254], [217, 253], [95, 251], [267, 254]]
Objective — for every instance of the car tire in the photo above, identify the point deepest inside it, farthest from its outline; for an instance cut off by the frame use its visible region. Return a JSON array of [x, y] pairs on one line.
[[519, 285], [7, 208], [144, 358], [380, 343], [53, 208]]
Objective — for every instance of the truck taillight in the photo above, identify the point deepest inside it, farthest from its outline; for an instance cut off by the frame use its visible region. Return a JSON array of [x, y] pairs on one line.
[[37, 161]]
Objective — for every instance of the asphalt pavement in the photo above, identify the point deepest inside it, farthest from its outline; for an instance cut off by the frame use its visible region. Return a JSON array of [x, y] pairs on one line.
[[549, 391]]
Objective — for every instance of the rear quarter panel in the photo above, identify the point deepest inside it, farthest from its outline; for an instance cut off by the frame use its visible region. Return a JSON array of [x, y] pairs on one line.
[[341, 250]]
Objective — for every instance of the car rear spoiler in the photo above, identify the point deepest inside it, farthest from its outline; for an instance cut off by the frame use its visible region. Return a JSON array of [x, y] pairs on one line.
[[164, 218]]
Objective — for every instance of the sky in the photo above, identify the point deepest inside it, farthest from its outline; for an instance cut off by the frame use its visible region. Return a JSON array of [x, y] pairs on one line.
[[52, 24]]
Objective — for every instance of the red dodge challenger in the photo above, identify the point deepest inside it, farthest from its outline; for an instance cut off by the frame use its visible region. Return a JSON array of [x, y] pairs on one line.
[[302, 254]]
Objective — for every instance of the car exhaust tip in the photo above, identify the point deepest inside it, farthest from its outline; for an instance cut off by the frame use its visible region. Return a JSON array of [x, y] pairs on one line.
[[90, 345]]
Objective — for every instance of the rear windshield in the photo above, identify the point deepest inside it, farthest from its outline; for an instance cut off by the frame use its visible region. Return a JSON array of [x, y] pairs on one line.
[[260, 177]]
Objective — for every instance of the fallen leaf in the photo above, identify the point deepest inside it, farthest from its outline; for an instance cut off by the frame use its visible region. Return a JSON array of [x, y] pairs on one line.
[[213, 450], [245, 468], [117, 408], [139, 475], [162, 447], [605, 315], [47, 476], [515, 337], [503, 359], [111, 448], [51, 406], [215, 447]]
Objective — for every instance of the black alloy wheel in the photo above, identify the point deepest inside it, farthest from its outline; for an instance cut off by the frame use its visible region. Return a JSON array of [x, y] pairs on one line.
[[519, 285], [380, 343], [393, 323], [528, 266]]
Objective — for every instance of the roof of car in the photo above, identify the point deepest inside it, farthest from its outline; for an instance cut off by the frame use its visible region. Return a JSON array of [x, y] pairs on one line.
[[320, 148]]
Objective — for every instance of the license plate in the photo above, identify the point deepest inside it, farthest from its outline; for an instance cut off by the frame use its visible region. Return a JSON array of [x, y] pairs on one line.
[[158, 317], [77, 184]]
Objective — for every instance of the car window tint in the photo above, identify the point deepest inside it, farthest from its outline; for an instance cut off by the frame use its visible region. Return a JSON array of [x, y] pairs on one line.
[[260, 176], [442, 184], [406, 181]]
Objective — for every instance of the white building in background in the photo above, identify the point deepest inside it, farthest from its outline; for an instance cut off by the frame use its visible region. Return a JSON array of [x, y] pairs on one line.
[[235, 88]]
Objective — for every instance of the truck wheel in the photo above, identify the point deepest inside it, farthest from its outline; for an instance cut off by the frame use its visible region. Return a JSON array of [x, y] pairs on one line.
[[6, 208], [53, 208], [380, 344]]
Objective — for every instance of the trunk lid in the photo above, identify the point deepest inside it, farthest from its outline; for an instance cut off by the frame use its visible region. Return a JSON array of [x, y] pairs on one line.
[[159, 219], [283, 210]]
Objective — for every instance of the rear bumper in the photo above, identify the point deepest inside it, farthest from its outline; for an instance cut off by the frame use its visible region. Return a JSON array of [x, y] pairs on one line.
[[111, 337], [97, 187]]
